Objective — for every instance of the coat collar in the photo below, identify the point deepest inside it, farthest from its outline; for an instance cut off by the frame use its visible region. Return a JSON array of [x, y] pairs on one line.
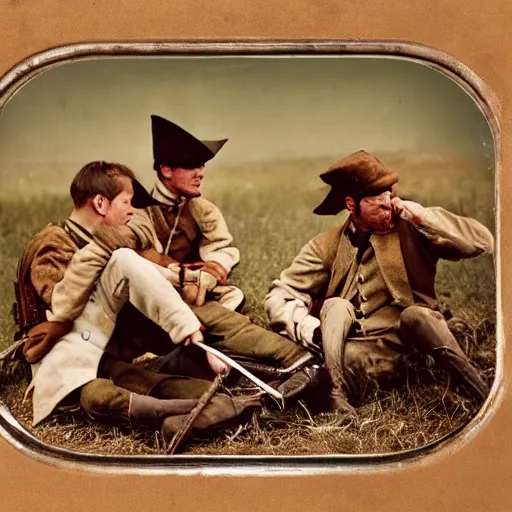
[[345, 255], [161, 193], [80, 236]]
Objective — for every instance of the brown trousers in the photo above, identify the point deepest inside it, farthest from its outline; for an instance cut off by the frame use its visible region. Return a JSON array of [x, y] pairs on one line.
[[226, 330], [183, 372], [354, 365], [107, 398]]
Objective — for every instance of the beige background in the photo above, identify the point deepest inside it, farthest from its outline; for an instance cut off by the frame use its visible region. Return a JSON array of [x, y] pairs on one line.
[[472, 476], [274, 110]]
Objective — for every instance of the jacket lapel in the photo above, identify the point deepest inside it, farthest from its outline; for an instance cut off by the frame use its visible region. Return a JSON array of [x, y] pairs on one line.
[[344, 257], [391, 263]]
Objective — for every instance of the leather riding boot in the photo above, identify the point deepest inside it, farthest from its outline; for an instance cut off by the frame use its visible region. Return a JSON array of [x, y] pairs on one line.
[[426, 330], [299, 381], [221, 411], [149, 412]]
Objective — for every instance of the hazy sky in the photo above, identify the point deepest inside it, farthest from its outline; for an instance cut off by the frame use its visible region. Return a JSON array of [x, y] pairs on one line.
[[268, 108]]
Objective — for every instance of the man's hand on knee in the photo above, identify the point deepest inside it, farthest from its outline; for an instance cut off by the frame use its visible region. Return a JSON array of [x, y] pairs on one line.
[[194, 284]]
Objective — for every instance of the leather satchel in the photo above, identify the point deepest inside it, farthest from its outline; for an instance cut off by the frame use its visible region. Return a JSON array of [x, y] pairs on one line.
[[42, 338]]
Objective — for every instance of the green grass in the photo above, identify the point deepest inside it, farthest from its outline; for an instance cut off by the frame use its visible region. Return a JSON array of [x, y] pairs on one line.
[[268, 207]]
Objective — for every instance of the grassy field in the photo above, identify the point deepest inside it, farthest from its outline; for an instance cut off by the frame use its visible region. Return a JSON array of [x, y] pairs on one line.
[[268, 207]]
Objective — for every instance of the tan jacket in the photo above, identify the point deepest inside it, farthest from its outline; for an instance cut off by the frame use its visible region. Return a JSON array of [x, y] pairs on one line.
[[197, 229], [67, 265], [189, 231], [53, 249], [407, 258]]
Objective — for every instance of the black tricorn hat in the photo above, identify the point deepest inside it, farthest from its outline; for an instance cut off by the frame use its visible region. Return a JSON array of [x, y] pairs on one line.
[[141, 197], [175, 147], [357, 175]]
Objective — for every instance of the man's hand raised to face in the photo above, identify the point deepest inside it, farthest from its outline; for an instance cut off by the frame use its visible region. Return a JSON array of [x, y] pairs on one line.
[[408, 210]]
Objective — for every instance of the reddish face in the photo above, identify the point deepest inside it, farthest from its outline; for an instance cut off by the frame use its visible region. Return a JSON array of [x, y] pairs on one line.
[[375, 213], [119, 210], [183, 182]]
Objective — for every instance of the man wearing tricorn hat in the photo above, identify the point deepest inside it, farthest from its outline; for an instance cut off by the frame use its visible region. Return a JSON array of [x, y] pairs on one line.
[[189, 235], [186, 227], [363, 293]]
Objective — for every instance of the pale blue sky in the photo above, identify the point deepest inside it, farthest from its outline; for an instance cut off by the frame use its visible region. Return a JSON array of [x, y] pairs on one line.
[[269, 108]]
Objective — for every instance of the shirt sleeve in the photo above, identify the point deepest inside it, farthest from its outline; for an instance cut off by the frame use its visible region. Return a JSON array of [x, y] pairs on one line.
[[217, 242], [454, 237], [71, 293], [290, 297], [144, 230], [49, 265]]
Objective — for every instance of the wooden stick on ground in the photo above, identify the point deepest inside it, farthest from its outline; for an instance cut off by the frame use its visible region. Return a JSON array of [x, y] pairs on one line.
[[196, 411]]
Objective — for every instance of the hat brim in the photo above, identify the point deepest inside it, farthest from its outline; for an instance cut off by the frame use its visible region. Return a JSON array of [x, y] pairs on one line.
[[175, 147], [214, 145], [333, 204], [141, 197]]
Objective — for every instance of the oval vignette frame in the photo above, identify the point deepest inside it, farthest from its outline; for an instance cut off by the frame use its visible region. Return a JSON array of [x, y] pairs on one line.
[[466, 79]]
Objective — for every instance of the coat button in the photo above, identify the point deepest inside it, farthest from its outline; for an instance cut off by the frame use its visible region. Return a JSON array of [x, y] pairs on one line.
[[363, 298], [86, 335], [360, 278]]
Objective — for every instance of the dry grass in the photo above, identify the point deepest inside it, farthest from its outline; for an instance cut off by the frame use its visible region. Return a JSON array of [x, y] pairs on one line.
[[270, 217]]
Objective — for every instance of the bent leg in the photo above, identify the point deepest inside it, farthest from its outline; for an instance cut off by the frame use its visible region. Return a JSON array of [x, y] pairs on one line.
[[235, 334], [104, 401], [426, 330], [129, 277], [107, 403], [229, 297], [336, 319]]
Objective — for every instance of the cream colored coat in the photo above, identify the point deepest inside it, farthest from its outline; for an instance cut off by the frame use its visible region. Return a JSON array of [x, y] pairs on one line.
[[90, 285]]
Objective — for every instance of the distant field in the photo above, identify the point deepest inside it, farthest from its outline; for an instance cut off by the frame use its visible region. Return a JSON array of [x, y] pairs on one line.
[[269, 210]]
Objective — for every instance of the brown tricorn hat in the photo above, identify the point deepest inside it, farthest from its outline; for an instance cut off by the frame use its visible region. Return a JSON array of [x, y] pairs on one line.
[[357, 175], [175, 147]]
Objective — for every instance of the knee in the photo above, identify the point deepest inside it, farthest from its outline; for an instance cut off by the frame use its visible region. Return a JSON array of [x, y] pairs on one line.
[[337, 308], [414, 317], [125, 261], [232, 299], [213, 314], [99, 396], [124, 255]]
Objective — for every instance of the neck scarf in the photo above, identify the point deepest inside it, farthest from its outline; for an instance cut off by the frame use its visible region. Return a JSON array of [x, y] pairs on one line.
[[161, 193]]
